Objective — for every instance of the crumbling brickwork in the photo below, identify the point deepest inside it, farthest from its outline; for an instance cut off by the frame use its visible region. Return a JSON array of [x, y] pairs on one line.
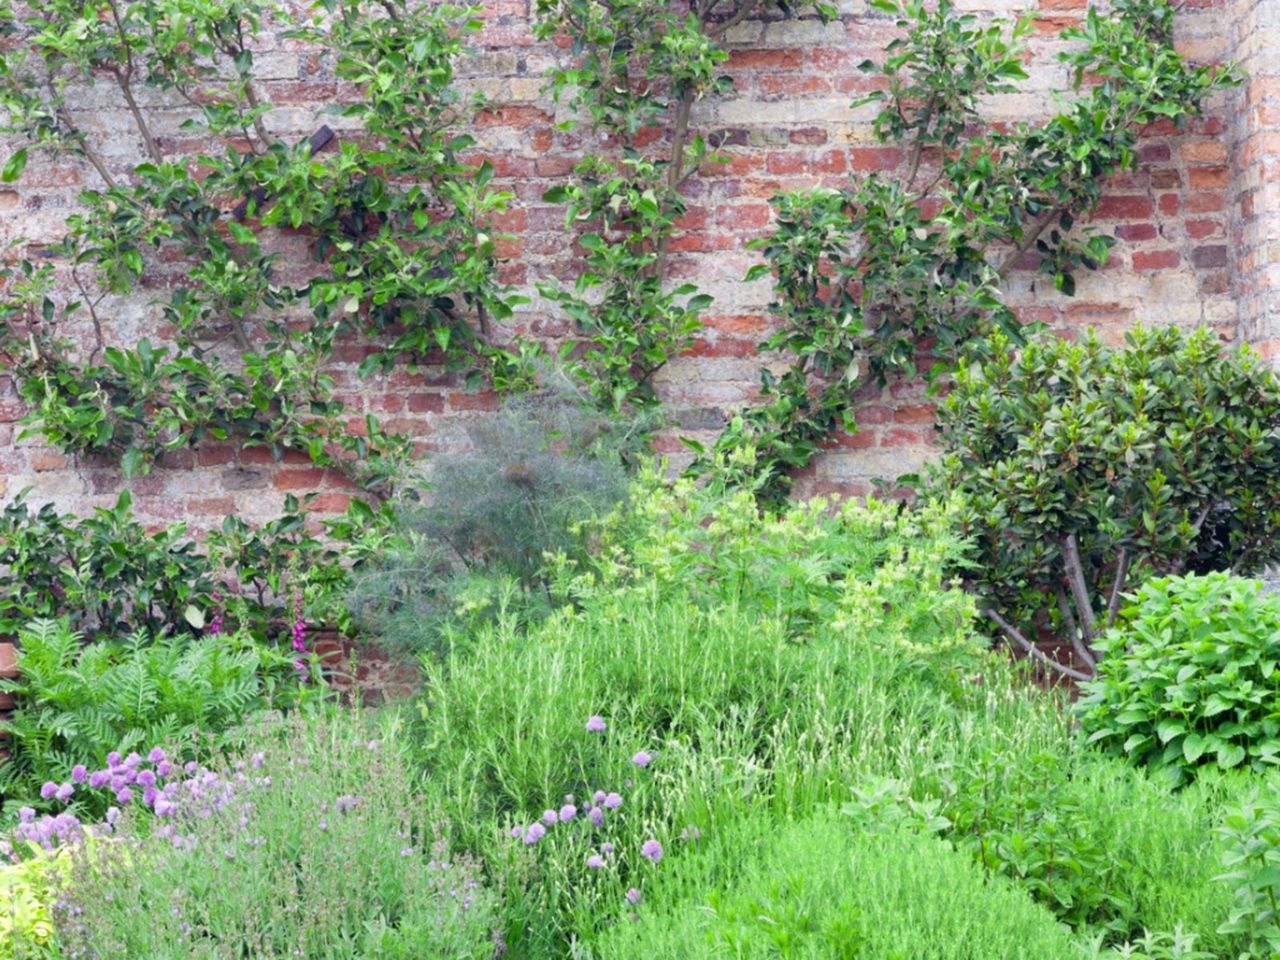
[[1198, 224]]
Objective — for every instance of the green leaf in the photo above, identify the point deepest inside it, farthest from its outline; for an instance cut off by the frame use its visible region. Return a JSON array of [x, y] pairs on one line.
[[1193, 747], [14, 166]]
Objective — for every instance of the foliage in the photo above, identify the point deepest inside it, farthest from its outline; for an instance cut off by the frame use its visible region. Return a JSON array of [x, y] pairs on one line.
[[741, 700], [534, 478], [108, 574], [1159, 946], [823, 887], [874, 279], [1190, 679], [1087, 469], [319, 845], [637, 70], [398, 224], [1251, 838], [812, 566], [26, 926], [1023, 821], [78, 702]]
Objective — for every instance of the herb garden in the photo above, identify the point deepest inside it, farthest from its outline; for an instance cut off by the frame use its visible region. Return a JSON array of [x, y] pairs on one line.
[[1026, 710]]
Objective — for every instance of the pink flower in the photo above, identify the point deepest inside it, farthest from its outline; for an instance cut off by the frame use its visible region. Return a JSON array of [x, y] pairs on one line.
[[642, 759], [568, 812], [595, 724], [597, 816], [651, 850], [633, 896], [550, 817], [595, 862], [534, 833], [613, 801]]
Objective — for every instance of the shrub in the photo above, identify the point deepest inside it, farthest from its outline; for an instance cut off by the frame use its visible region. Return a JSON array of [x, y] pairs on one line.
[[534, 475], [26, 924], [107, 574], [1251, 839], [823, 888], [76, 703], [313, 843], [1084, 468], [1191, 678]]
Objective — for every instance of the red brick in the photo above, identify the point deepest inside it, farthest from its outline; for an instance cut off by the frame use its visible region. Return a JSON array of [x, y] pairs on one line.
[[1209, 256], [1199, 229], [8, 660], [426, 403], [1136, 231], [1208, 178], [1155, 259], [869, 159], [1131, 207]]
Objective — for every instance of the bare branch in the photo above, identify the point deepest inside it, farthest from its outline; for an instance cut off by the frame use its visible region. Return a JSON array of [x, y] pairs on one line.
[[1031, 649], [1073, 629], [1079, 590], [1117, 586]]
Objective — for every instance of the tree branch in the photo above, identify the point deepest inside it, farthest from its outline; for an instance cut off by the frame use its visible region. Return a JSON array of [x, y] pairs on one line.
[[1027, 240], [1077, 644], [1117, 586], [1031, 649], [1079, 590]]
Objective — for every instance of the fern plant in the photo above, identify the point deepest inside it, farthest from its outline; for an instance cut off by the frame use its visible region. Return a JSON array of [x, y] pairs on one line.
[[77, 702]]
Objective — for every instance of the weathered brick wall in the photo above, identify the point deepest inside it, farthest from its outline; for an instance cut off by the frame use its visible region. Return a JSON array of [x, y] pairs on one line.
[[1191, 222]]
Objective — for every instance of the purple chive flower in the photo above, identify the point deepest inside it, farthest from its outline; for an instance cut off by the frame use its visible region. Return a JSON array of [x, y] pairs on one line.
[[48, 791], [156, 755], [597, 816], [132, 760], [595, 862], [534, 833], [599, 797], [113, 759], [595, 724], [690, 833], [568, 812], [146, 779], [79, 773], [65, 793], [113, 814], [26, 814], [123, 796], [149, 796], [642, 759], [651, 850], [606, 848], [633, 896], [190, 766], [163, 769], [613, 801], [550, 817], [516, 832], [99, 778], [258, 760]]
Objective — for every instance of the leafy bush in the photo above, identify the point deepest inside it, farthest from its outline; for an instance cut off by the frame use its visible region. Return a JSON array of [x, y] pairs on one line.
[[314, 843], [26, 924], [824, 888], [1085, 467], [1251, 837], [534, 475], [108, 574], [1191, 678], [77, 702]]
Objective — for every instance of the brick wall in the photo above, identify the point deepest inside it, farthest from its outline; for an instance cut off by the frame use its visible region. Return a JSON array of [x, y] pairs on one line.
[[1198, 227]]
